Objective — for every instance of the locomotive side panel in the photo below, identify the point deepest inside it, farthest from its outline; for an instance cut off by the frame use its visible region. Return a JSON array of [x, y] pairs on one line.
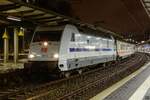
[[80, 49]]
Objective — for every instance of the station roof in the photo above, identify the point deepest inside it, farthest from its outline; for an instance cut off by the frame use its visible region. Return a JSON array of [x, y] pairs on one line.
[[126, 17], [146, 4], [15, 12], [123, 16]]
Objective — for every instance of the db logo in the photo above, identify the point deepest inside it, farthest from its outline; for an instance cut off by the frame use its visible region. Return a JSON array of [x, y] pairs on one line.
[[44, 50]]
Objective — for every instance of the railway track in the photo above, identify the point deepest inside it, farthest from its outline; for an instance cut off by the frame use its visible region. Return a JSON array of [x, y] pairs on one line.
[[84, 93], [78, 86]]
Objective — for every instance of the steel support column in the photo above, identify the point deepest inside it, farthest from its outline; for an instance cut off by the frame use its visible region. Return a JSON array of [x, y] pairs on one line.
[[6, 50], [15, 45]]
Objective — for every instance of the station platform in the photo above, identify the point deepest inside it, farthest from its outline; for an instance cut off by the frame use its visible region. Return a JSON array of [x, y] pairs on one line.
[[6, 67], [134, 87]]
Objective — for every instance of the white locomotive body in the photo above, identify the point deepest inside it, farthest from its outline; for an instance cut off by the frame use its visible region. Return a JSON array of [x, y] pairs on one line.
[[79, 49], [68, 48]]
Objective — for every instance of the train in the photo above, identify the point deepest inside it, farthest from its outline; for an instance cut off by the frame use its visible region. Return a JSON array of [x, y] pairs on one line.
[[145, 48], [68, 48]]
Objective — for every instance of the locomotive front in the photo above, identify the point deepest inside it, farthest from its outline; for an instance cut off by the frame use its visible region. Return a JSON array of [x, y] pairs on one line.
[[44, 49]]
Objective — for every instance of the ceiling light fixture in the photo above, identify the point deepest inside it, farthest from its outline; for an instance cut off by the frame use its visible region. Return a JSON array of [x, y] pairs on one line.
[[14, 18], [142, 41]]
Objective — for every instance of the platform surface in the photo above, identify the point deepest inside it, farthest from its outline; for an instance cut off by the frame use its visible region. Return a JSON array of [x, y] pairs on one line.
[[6, 67], [10, 66], [134, 87]]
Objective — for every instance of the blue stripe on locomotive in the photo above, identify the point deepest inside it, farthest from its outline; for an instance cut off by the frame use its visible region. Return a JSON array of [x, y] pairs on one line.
[[85, 49]]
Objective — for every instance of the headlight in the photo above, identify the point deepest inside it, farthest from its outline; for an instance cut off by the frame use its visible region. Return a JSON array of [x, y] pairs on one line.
[[31, 56], [45, 43], [56, 55]]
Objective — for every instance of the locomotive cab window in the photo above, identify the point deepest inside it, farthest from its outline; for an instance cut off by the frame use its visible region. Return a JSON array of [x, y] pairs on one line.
[[47, 36]]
